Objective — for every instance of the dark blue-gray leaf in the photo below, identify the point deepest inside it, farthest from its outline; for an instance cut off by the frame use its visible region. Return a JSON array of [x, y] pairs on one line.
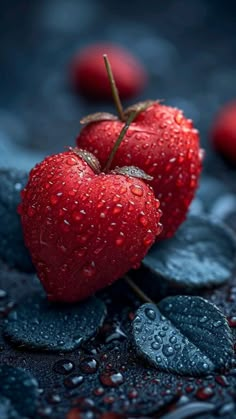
[[20, 388], [7, 411], [201, 254], [38, 324], [12, 247], [185, 335]]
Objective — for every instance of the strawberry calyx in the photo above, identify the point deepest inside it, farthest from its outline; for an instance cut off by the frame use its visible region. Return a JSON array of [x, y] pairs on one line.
[[132, 171], [89, 158], [139, 107], [93, 162], [97, 117], [107, 116]]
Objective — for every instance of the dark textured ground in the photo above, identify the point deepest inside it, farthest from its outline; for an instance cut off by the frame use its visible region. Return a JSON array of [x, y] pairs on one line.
[[189, 48]]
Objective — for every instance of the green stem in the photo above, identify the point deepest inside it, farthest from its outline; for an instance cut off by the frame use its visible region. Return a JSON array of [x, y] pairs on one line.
[[114, 89], [125, 128], [137, 290]]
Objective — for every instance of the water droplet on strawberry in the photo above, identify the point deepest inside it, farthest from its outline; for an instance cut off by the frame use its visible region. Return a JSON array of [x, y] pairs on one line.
[[117, 209], [136, 190], [31, 211], [77, 216], [89, 270], [159, 228], [65, 226], [71, 161], [98, 250], [122, 190], [120, 240], [178, 118], [143, 220], [148, 239]]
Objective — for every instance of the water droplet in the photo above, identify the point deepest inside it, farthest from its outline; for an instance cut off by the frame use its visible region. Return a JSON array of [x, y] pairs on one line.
[[31, 211], [99, 391], [77, 216], [73, 381], [178, 117], [136, 190], [217, 323], [222, 380], [111, 378], [155, 345], [203, 319], [148, 239], [54, 398], [232, 321], [89, 270], [173, 339], [119, 241], [71, 161], [54, 199], [168, 350], [150, 313], [143, 220], [88, 365], [3, 294], [117, 209], [63, 366], [204, 393]]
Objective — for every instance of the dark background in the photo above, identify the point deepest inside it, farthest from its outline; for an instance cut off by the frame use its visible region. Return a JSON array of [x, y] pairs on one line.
[[188, 47]]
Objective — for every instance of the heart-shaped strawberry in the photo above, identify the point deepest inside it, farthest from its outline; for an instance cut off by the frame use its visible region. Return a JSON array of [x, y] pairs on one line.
[[162, 142], [85, 230]]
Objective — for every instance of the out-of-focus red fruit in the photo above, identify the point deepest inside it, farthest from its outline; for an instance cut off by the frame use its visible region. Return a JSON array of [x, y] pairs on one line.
[[89, 77], [223, 132]]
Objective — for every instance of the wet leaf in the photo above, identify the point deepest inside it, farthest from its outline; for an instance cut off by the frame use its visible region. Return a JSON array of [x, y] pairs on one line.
[[38, 324], [12, 247], [189, 410], [20, 389], [201, 254], [184, 335]]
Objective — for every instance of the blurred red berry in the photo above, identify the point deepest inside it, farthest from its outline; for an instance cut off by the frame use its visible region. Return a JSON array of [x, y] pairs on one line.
[[89, 76], [223, 132]]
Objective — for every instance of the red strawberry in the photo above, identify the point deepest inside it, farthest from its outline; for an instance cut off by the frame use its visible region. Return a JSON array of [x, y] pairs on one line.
[[85, 230], [89, 76], [163, 143], [223, 133]]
